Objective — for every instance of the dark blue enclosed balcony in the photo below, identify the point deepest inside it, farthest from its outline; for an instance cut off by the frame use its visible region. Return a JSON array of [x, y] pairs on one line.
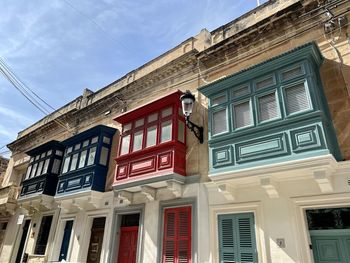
[[42, 172], [86, 161]]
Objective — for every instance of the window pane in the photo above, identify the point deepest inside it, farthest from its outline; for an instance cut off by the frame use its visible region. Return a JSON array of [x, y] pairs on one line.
[[106, 140], [139, 122], [153, 117], [49, 153], [46, 165], [243, 116], [218, 100], [91, 158], [239, 92], [82, 159], [70, 149], [267, 82], [166, 131], [73, 164], [268, 108], [28, 171], [94, 140], [85, 143], [42, 155], [181, 132], [59, 153], [104, 156], [37, 157], [151, 136], [66, 164], [219, 121], [56, 166], [77, 147], [34, 170], [125, 144], [40, 166], [297, 99], [31, 159], [126, 127], [292, 73], [137, 145], [167, 112]]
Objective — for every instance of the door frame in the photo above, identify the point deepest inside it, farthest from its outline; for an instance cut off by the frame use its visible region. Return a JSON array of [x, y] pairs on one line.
[[301, 204], [115, 233], [19, 237]]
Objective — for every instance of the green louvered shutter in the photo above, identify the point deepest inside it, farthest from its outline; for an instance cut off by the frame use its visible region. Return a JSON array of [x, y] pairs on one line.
[[237, 238]]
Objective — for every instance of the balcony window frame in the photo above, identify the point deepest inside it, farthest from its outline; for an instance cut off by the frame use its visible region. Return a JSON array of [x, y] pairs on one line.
[[34, 161], [173, 117]]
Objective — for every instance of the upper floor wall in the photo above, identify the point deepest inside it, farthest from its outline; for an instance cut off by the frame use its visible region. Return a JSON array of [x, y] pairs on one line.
[[272, 112]]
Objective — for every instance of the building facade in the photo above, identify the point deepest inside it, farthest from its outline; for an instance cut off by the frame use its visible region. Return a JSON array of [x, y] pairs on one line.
[[117, 176]]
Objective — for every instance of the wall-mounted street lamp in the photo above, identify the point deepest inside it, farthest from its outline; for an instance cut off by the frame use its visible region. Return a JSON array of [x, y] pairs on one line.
[[187, 101]]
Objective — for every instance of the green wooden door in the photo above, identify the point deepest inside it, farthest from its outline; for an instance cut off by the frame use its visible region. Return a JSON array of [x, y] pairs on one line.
[[331, 247], [237, 238]]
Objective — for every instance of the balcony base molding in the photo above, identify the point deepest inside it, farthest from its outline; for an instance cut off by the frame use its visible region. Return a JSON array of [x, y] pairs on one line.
[[142, 190], [88, 200], [38, 203]]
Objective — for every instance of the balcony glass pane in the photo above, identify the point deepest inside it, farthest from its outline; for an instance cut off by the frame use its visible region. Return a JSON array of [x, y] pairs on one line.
[[167, 112], [66, 164], [91, 158], [297, 99], [34, 170], [151, 136], [104, 156], [85, 143], [166, 131], [49, 153], [46, 165], [56, 166], [126, 127], [70, 149], [138, 137], [40, 167], [219, 121], [242, 114], [152, 117], [139, 123], [106, 140], [77, 147], [268, 108], [125, 144], [82, 159], [28, 171], [59, 153], [94, 140], [181, 132], [74, 162]]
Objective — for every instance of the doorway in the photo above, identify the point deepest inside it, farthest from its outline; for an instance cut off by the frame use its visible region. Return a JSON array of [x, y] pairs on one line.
[[20, 251], [65, 241], [96, 240], [330, 234], [129, 230]]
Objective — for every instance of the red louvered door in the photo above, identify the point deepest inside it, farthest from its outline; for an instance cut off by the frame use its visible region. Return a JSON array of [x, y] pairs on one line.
[[177, 235], [128, 244]]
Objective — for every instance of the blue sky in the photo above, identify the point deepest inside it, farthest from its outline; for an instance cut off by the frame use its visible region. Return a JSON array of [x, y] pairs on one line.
[[59, 47]]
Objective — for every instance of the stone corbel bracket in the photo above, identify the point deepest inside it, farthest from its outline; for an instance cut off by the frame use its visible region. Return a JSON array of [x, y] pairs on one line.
[[227, 190], [324, 180], [149, 193], [124, 198], [270, 186], [175, 188]]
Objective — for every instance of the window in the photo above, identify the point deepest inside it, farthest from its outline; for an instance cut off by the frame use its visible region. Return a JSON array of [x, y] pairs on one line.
[[297, 99], [237, 238], [43, 235], [268, 98], [152, 129], [83, 154], [104, 156], [219, 121], [46, 166], [177, 235], [56, 166], [268, 108], [242, 115]]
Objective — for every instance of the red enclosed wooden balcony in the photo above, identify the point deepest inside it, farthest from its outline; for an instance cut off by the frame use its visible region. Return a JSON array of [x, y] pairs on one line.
[[152, 149]]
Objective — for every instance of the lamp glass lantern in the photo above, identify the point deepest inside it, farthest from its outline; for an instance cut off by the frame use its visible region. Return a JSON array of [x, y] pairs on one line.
[[187, 101]]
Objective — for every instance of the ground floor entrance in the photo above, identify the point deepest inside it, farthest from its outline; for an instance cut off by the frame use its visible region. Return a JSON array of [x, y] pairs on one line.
[[129, 230], [330, 234], [96, 240]]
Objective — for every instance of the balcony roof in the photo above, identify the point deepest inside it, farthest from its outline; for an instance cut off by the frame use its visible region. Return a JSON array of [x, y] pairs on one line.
[[44, 147]]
